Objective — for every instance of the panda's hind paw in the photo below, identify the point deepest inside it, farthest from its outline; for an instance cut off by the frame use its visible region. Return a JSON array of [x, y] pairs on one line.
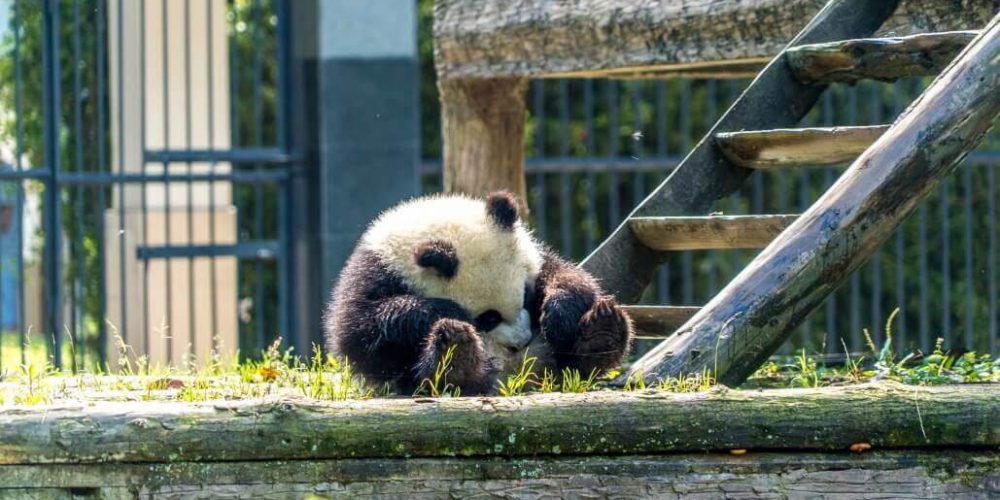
[[605, 336]]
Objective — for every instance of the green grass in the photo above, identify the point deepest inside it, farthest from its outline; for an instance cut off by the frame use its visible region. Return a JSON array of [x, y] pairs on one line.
[[324, 377]]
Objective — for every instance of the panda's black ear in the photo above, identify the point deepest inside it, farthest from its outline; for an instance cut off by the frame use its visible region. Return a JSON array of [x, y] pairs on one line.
[[501, 207], [437, 255]]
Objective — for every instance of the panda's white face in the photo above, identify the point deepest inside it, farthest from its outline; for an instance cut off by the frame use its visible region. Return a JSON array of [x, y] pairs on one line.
[[494, 262]]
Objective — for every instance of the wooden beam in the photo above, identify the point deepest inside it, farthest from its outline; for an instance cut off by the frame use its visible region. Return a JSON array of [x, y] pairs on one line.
[[709, 232], [658, 321], [775, 99], [763, 149], [604, 422], [534, 38], [753, 315], [908, 473], [482, 122], [884, 59]]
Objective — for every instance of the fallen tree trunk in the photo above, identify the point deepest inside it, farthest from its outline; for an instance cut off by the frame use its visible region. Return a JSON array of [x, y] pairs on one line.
[[911, 474], [531, 38], [886, 415], [753, 315]]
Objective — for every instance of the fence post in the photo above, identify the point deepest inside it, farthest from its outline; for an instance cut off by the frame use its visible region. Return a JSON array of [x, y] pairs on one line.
[[354, 119]]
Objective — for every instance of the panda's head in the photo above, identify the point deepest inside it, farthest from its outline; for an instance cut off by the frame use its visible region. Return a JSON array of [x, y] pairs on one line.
[[475, 252]]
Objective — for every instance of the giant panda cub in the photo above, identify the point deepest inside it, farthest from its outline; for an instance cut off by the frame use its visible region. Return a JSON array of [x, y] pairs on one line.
[[451, 270]]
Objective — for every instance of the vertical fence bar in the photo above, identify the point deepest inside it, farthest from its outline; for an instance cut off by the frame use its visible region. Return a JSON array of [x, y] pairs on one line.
[[166, 180], [75, 250], [828, 177], [565, 217], [945, 194], [212, 263], [143, 201], [991, 257], [712, 255], [123, 332], [588, 107], [901, 337], [192, 334], [18, 153], [875, 107], [613, 200], [969, 283], [538, 111], [258, 141], [52, 224], [855, 297], [102, 333], [687, 259], [662, 150], [283, 131]]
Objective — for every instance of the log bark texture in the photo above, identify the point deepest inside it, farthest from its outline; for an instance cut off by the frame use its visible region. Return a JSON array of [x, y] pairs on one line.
[[713, 232], [761, 149], [886, 415], [885, 59], [482, 122], [889, 474], [756, 312], [531, 38]]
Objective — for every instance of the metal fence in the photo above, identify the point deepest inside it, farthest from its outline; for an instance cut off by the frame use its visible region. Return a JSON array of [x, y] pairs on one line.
[[96, 185], [598, 147]]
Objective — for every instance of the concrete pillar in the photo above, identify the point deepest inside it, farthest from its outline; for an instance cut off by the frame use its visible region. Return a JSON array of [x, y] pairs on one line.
[[356, 78], [169, 89]]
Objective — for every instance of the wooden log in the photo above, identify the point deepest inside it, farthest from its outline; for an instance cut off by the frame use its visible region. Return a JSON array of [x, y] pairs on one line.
[[609, 422], [482, 122], [532, 38], [775, 99], [909, 473], [709, 232], [763, 149], [753, 315], [884, 59], [658, 321]]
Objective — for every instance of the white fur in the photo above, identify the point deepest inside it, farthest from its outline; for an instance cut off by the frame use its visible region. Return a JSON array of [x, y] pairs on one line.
[[494, 263]]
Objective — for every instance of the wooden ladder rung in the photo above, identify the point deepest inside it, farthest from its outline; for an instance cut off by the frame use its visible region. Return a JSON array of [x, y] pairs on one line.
[[795, 147], [709, 232], [885, 59], [659, 321]]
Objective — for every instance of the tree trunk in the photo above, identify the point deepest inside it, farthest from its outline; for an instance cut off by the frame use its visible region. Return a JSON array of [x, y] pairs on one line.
[[531, 38], [482, 122], [886, 415]]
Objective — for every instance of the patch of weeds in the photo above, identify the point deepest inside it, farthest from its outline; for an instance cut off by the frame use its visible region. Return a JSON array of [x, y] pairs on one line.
[[516, 383], [437, 384], [572, 381]]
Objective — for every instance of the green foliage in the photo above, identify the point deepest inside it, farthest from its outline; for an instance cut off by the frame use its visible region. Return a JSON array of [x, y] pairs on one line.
[[437, 384]]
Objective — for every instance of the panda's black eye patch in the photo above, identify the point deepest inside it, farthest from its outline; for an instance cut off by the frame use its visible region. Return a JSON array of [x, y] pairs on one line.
[[488, 320], [437, 255]]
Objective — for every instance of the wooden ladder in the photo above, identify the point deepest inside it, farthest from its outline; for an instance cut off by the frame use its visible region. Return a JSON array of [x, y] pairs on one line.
[[806, 256]]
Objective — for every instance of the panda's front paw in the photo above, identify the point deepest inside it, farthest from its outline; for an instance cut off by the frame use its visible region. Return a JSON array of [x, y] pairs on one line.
[[469, 367], [605, 337]]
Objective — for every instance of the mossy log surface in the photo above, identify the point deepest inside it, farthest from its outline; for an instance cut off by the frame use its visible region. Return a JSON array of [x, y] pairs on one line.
[[886, 415], [887, 474], [530, 38]]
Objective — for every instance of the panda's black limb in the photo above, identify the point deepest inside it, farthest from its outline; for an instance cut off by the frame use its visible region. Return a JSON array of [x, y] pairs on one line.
[[390, 334], [588, 331]]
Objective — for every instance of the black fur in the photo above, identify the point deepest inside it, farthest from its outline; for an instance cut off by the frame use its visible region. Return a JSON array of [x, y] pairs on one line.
[[437, 255], [383, 327], [501, 207]]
